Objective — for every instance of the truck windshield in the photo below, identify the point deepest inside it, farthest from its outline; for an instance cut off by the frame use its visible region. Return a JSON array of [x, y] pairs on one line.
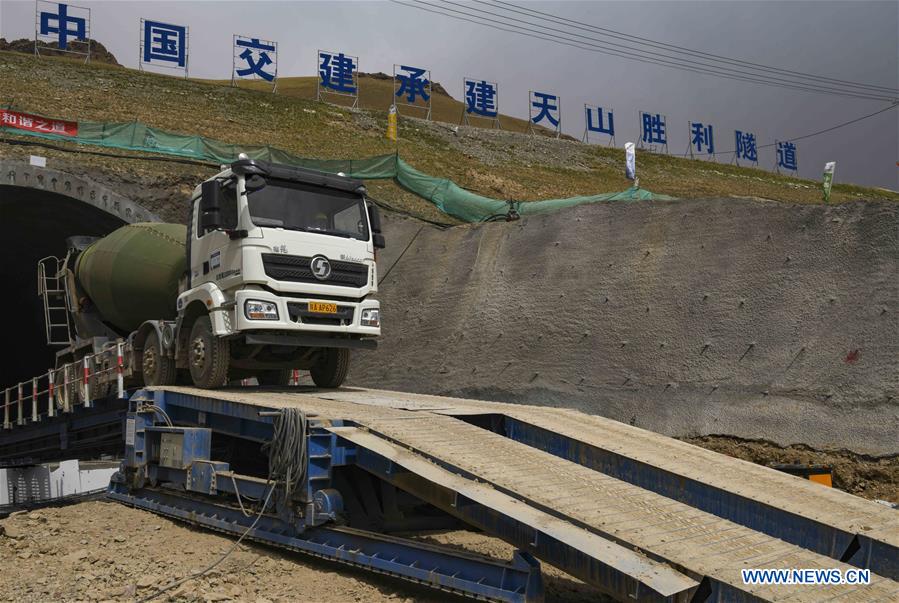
[[296, 206]]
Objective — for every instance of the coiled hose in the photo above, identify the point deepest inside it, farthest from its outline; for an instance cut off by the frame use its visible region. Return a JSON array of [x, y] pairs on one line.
[[287, 454]]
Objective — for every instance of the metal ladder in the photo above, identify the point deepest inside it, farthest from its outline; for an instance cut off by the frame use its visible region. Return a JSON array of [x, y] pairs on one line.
[[52, 287]]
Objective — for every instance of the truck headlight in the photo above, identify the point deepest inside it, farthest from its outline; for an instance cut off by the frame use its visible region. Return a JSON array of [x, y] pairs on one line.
[[371, 318], [260, 310]]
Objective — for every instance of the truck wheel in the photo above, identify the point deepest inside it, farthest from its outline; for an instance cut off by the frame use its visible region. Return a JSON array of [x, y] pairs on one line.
[[279, 377], [331, 368], [157, 367], [207, 355]]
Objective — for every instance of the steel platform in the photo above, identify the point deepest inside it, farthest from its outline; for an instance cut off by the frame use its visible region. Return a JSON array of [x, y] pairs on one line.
[[637, 514]]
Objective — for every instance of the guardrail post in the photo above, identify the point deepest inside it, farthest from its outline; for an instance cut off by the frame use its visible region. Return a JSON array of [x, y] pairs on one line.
[[21, 419], [51, 398], [34, 414], [66, 389], [6, 423], [120, 368], [87, 383]]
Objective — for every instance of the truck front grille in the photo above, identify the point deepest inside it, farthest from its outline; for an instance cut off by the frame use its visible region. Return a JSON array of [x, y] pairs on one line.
[[295, 268]]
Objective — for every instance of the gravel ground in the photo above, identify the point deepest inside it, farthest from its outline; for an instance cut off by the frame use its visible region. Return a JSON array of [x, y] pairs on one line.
[[105, 551]]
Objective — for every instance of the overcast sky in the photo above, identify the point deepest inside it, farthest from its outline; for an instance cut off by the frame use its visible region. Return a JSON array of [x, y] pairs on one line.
[[857, 41]]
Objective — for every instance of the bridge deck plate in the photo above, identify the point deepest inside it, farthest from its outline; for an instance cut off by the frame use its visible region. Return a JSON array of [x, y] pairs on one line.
[[696, 541]]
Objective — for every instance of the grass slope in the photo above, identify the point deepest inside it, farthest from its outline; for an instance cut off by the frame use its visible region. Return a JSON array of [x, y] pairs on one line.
[[376, 94], [494, 163]]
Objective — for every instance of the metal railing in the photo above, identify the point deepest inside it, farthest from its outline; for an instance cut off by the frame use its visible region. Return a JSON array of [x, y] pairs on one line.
[[59, 390]]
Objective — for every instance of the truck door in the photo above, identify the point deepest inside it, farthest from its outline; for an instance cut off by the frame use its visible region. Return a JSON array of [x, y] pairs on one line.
[[214, 256]]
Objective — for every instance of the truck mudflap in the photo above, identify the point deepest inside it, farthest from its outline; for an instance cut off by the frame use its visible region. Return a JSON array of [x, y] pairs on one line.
[[309, 341]]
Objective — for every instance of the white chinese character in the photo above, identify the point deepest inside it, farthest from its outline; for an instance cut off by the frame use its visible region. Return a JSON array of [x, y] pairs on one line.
[[9, 118], [26, 122], [59, 126], [42, 125]]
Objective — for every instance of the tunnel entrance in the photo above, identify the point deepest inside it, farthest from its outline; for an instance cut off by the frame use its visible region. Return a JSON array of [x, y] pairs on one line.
[[35, 224]]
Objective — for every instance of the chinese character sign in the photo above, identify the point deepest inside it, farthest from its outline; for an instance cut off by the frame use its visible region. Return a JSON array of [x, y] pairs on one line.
[[652, 129], [596, 123], [786, 156], [337, 72], [255, 58], [701, 135], [164, 44], [481, 98], [745, 146], [414, 83], [36, 123], [545, 107], [61, 22]]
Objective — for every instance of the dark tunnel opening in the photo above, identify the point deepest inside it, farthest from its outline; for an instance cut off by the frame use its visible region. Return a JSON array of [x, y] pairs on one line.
[[35, 224]]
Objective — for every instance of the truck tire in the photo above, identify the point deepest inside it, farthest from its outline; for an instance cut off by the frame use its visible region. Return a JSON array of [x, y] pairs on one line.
[[157, 368], [208, 356], [278, 377], [331, 368]]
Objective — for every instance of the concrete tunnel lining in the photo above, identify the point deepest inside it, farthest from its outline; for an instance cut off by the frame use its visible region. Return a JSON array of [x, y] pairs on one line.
[[39, 209]]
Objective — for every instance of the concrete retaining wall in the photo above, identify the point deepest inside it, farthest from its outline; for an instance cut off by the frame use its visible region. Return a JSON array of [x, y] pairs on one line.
[[725, 316]]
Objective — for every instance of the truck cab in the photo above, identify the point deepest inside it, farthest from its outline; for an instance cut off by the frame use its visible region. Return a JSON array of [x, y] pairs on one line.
[[281, 276]]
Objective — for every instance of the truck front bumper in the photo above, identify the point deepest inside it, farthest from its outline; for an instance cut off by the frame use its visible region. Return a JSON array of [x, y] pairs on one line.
[[294, 315]]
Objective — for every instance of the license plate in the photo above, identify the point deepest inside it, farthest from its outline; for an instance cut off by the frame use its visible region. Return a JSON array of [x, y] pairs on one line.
[[322, 308]]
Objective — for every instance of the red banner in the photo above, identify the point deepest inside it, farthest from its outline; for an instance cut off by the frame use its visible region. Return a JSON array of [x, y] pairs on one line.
[[36, 123]]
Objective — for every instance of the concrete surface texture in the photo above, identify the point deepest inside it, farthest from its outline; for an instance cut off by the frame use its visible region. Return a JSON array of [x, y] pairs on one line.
[[742, 317]]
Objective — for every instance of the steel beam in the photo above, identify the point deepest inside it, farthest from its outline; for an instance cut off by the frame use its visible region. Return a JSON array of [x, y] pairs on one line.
[[435, 567]]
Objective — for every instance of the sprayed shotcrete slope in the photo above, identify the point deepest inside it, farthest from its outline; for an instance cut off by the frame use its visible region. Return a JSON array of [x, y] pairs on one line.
[[740, 317]]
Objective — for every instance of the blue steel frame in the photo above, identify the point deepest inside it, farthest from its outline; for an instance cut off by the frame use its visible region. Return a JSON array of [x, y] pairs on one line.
[[855, 549], [518, 581]]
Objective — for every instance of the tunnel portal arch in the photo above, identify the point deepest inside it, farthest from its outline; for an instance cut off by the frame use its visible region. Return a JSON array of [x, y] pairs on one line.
[[39, 209]]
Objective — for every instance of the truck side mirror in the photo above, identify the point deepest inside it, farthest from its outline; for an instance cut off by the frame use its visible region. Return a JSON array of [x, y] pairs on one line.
[[210, 205], [374, 217]]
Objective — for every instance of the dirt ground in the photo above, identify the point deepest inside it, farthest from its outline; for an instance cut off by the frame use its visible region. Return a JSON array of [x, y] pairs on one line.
[[865, 476], [105, 551]]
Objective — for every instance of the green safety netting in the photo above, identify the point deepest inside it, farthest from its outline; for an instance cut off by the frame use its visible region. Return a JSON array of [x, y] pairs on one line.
[[448, 196]]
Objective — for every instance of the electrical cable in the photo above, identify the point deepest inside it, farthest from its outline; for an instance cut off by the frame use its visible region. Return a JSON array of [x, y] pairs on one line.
[[824, 131], [628, 50], [287, 461], [397, 261], [287, 453], [635, 39], [623, 53], [160, 412], [215, 564]]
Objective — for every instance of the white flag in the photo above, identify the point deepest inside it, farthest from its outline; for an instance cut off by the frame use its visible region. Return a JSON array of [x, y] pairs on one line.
[[829, 168], [630, 161]]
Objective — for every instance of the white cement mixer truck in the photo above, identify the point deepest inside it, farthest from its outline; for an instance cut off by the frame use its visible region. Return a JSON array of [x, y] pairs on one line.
[[274, 271]]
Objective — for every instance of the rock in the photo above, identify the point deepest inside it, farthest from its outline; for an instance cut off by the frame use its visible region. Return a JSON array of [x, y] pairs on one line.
[[24, 555], [263, 600], [216, 596], [11, 532], [75, 556], [146, 581], [119, 538]]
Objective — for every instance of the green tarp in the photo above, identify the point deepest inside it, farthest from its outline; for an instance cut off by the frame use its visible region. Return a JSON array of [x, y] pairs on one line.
[[448, 196]]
